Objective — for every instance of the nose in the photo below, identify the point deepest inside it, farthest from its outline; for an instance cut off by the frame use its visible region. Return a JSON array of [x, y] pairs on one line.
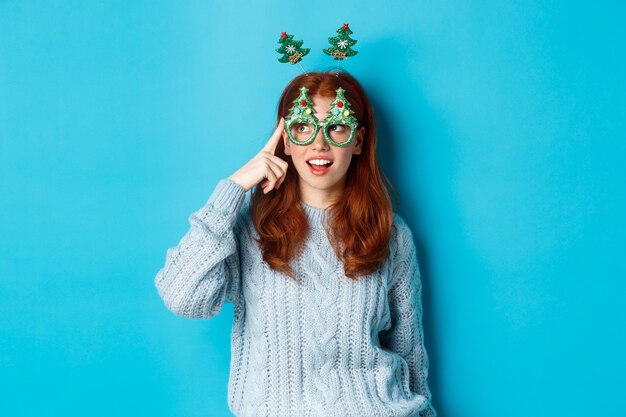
[[320, 142]]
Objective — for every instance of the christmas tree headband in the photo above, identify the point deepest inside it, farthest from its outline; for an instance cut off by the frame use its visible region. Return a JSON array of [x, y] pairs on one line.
[[301, 124]]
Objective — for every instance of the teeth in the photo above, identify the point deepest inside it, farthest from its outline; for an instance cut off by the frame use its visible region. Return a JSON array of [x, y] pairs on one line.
[[319, 162]]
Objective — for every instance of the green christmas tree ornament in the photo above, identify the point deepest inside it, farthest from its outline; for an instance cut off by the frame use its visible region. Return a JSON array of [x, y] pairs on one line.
[[340, 125], [301, 124], [341, 44], [338, 128], [292, 50]]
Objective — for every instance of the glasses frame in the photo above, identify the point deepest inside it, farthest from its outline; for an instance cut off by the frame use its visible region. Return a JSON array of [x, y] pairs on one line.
[[297, 115]]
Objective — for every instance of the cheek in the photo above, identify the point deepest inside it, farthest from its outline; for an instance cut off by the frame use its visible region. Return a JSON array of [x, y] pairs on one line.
[[297, 156], [297, 153], [344, 157]]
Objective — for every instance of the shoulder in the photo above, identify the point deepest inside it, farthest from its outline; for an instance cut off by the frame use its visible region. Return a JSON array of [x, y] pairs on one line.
[[401, 241], [403, 251]]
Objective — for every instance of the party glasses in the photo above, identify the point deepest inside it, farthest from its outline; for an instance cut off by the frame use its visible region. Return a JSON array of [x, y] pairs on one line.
[[338, 128]]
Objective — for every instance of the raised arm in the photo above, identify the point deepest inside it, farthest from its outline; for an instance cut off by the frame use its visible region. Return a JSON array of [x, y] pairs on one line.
[[202, 271], [406, 335]]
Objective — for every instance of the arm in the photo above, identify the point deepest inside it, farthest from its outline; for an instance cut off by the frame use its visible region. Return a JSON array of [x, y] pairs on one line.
[[406, 335], [202, 271]]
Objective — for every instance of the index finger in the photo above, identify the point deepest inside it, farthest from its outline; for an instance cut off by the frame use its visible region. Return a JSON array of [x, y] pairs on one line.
[[271, 144]]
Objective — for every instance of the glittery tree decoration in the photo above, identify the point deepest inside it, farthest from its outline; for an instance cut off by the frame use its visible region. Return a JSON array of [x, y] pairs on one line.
[[340, 44], [292, 50], [301, 112], [341, 113]]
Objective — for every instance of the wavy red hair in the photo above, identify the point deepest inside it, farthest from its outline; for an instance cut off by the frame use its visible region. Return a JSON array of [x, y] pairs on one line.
[[359, 224]]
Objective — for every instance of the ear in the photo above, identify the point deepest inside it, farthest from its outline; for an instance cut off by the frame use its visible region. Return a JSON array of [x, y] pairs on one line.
[[287, 143], [358, 140]]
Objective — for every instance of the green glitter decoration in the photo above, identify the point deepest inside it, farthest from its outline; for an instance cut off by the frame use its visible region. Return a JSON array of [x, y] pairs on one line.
[[302, 112], [292, 50], [340, 113], [341, 44]]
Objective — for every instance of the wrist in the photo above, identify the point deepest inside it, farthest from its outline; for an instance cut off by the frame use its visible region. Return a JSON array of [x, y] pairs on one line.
[[236, 180]]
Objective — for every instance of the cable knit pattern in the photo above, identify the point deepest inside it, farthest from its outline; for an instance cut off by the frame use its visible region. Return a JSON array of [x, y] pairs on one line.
[[327, 347]]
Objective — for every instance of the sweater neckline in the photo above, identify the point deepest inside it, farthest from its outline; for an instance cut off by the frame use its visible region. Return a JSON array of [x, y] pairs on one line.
[[316, 215]]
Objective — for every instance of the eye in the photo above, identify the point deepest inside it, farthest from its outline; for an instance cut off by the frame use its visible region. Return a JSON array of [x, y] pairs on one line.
[[337, 128], [302, 128]]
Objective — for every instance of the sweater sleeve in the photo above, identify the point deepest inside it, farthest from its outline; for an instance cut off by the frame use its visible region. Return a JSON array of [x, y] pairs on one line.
[[203, 271], [406, 335]]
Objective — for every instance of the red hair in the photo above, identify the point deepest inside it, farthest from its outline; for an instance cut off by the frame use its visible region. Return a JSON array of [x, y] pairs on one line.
[[359, 224]]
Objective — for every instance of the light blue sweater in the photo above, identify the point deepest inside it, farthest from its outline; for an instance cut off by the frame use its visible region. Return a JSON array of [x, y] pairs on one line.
[[329, 347]]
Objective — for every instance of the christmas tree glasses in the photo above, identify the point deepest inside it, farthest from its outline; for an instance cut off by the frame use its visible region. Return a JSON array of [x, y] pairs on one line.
[[338, 128]]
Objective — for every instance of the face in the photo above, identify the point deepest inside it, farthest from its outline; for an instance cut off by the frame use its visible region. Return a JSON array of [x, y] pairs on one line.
[[326, 185]]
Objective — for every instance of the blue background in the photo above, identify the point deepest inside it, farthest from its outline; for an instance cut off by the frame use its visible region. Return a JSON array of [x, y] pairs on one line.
[[502, 128]]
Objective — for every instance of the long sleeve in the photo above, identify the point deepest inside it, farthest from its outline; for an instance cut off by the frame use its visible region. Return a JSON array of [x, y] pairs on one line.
[[406, 335], [203, 271]]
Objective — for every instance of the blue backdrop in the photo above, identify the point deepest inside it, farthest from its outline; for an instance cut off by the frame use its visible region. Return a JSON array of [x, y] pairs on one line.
[[502, 128]]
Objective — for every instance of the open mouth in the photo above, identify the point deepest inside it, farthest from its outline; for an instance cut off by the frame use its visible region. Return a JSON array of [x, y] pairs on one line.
[[319, 169]]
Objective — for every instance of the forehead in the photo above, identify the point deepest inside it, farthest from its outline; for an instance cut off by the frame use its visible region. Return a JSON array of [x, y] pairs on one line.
[[321, 104], [321, 100]]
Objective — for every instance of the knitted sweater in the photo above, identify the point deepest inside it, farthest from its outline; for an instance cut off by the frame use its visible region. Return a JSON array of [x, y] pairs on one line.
[[327, 347]]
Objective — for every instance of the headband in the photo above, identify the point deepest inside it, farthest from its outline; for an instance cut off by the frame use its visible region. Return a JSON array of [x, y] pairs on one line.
[[301, 123]]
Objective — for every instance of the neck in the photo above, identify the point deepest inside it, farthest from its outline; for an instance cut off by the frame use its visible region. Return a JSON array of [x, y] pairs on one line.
[[321, 198]]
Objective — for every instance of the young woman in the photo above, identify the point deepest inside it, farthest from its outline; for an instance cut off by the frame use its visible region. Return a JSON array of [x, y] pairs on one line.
[[323, 275]]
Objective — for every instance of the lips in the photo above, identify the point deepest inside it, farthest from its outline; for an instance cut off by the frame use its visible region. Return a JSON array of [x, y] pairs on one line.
[[319, 169], [313, 157]]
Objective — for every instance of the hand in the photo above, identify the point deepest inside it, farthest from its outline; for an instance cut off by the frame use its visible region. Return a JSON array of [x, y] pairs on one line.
[[264, 167]]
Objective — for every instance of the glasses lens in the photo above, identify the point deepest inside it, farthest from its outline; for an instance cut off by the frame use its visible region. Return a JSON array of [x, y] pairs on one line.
[[339, 133], [302, 131]]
